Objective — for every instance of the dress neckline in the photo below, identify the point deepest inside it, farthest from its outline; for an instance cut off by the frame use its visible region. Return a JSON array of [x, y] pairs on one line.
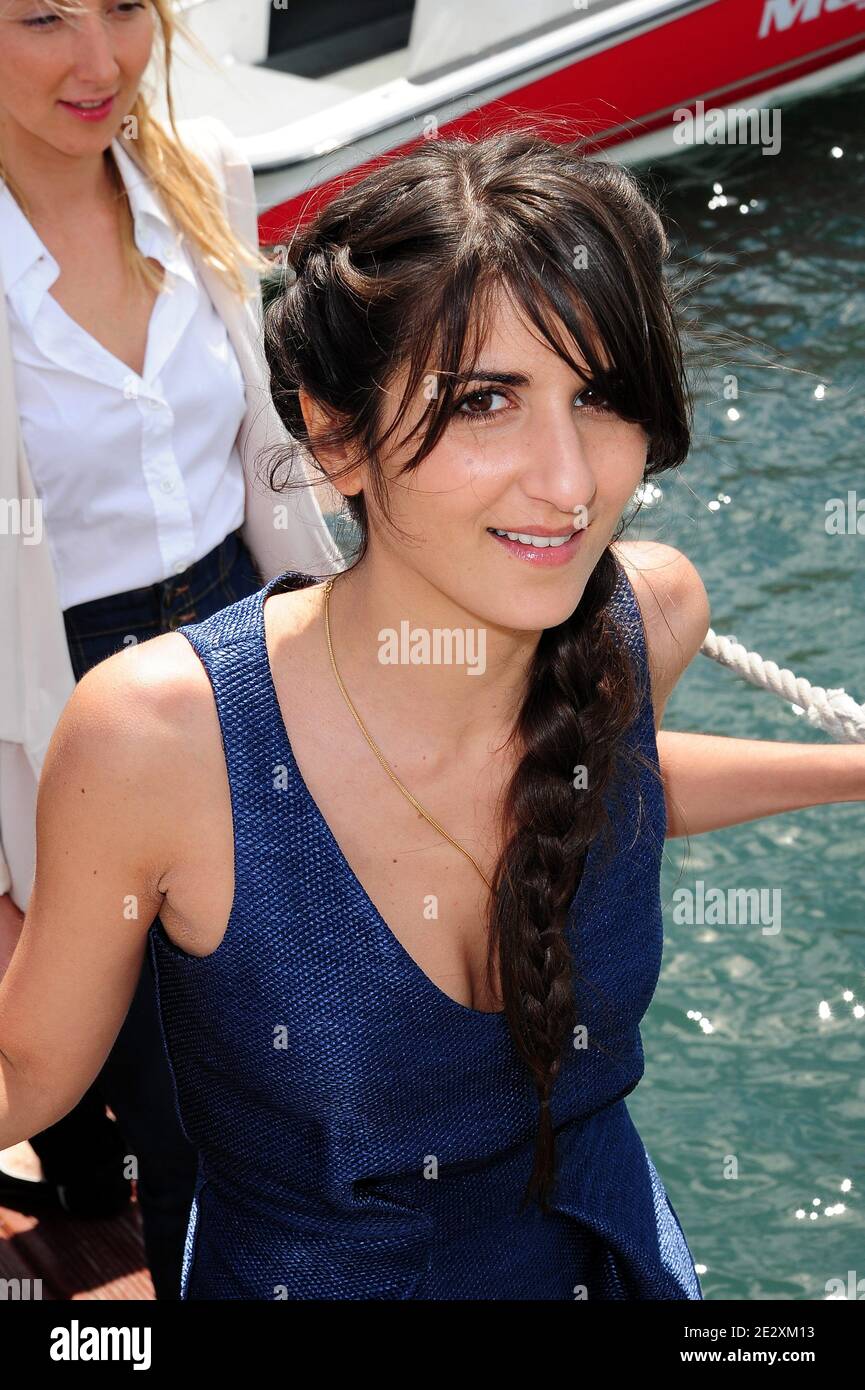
[[282, 583], [279, 584]]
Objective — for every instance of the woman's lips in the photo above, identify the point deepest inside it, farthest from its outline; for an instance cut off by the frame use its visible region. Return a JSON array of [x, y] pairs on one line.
[[89, 113], [545, 556]]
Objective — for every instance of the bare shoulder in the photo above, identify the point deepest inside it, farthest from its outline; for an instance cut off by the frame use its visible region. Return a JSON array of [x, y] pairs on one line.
[[134, 728], [149, 688], [675, 608]]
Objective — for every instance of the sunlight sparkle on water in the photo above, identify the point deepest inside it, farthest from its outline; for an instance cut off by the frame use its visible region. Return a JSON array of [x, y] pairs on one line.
[[704, 1023], [648, 494], [835, 1209]]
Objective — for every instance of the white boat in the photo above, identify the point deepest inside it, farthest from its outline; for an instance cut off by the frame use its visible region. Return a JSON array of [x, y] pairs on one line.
[[313, 90]]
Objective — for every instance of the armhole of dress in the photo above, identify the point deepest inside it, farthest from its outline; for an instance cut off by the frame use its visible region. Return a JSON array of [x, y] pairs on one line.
[[626, 604], [633, 630], [203, 647], [644, 723]]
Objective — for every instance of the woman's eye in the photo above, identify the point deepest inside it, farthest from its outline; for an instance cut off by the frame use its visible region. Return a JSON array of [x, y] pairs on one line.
[[476, 405], [48, 21], [599, 403], [476, 399]]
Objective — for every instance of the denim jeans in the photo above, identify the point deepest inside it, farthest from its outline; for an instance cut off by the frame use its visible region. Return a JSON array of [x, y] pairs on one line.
[[135, 1080]]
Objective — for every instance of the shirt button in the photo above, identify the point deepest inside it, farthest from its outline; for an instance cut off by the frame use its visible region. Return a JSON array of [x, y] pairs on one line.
[[180, 567], [167, 485]]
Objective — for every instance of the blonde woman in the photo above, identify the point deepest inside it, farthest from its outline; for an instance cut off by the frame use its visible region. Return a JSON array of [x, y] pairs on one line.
[[133, 405]]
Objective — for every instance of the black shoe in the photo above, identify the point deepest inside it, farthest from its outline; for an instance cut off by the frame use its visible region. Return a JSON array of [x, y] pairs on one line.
[[89, 1197], [26, 1196]]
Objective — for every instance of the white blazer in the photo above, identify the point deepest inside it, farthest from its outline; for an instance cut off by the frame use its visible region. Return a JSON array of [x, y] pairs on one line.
[[283, 531]]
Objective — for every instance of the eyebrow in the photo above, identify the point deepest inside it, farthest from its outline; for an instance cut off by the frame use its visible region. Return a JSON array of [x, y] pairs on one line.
[[497, 376], [492, 374]]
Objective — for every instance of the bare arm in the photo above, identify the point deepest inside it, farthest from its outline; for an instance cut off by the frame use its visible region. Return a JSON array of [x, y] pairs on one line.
[[99, 860], [711, 781]]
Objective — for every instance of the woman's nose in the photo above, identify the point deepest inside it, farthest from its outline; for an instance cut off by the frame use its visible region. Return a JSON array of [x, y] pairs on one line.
[[95, 61], [557, 467]]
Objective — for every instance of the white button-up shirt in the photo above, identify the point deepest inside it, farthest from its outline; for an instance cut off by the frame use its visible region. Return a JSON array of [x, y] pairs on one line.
[[138, 476]]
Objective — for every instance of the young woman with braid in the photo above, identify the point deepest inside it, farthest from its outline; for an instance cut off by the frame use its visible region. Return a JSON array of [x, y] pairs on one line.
[[394, 838]]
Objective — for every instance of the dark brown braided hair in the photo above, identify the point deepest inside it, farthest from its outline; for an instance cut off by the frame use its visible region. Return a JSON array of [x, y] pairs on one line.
[[397, 270]]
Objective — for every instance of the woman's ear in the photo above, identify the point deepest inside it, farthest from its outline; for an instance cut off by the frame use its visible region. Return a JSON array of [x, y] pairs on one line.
[[334, 459]]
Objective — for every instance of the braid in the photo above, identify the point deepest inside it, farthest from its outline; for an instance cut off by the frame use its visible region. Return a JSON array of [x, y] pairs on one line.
[[581, 698]]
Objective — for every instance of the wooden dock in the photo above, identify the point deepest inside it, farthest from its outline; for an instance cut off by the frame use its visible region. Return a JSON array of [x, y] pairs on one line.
[[74, 1259]]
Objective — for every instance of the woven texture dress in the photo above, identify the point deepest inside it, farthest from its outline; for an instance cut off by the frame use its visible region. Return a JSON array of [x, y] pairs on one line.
[[362, 1135]]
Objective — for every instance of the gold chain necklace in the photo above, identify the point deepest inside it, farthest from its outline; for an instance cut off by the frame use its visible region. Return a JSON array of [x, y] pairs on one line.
[[392, 775]]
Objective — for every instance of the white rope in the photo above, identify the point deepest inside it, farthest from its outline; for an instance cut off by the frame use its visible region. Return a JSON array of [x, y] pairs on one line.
[[831, 710]]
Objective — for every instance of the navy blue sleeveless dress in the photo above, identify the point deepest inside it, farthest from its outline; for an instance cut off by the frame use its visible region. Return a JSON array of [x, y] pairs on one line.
[[360, 1134]]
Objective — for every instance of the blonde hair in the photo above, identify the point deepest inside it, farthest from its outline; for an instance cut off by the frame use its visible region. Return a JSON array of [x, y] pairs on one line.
[[182, 179]]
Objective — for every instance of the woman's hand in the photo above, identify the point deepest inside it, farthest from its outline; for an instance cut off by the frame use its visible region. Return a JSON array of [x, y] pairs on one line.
[[11, 922]]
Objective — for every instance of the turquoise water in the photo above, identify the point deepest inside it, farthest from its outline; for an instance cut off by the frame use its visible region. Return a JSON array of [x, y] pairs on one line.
[[774, 1086]]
